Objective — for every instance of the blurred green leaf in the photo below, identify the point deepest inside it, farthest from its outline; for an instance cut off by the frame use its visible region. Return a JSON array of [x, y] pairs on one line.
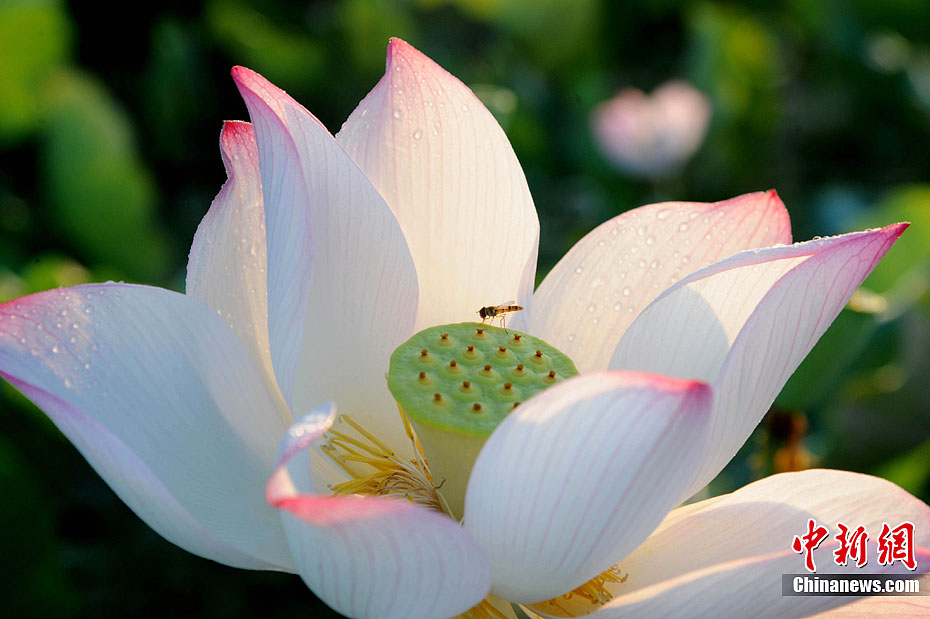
[[175, 84], [52, 271], [556, 31], [368, 24], [823, 370], [34, 39], [734, 57], [903, 275], [101, 196], [282, 53], [36, 584], [910, 470]]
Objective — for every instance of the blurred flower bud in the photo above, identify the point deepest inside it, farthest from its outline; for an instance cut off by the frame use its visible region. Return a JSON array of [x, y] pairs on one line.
[[649, 136]]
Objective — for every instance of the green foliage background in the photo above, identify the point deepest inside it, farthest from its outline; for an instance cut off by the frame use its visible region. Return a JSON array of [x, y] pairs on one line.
[[108, 159]]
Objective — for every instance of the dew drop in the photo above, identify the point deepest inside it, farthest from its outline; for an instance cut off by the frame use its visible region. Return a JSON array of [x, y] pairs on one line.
[[683, 227], [618, 307], [571, 337], [650, 240], [591, 308], [54, 350], [579, 269], [398, 114], [68, 383], [627, 291], [641, 231], [663, 214]]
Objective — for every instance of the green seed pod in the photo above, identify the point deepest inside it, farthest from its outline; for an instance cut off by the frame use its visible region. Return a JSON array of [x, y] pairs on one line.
[[457, 382]]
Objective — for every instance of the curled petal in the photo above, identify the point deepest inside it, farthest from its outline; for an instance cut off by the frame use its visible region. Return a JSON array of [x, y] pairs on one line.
[[744, 324], [227, 266], [342, 289], [579, 475], [371, 556], [725, 556], [590, 298], [445, 167], [165, 403]]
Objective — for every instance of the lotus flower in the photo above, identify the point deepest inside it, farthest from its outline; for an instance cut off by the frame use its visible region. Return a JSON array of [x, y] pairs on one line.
[[650, 136], [320, 256]]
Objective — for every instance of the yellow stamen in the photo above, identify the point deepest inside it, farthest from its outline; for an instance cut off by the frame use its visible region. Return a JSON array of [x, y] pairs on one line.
[[374, 469], [484, 610], [594, 592]]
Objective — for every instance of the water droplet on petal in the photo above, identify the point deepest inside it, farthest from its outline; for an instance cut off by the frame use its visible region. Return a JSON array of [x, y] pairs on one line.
[[627, 291], [417, 134], [591, 308], [579, 269]]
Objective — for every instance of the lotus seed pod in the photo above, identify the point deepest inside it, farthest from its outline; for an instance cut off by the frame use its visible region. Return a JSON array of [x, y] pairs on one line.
[[457, 382]]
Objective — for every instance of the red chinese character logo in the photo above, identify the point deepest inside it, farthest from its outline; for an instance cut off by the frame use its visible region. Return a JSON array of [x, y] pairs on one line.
[[852, 546], [897, 544], [808, 542]]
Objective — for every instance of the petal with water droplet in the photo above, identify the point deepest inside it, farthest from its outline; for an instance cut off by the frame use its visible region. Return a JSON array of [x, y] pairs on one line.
[[227, 266], [458, 192], [342, 286], [745, 323], [166, 404], [633, 254]]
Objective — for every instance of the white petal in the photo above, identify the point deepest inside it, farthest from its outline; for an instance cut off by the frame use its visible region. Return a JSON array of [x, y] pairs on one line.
[[226, 270], [600, 286], [579, 475], [342, 285], [744, 325], [725, 556], [165, 403], [370, 556], [448, 172]]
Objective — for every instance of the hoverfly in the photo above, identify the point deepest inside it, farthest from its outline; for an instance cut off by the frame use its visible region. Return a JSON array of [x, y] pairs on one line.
[[491, 312]]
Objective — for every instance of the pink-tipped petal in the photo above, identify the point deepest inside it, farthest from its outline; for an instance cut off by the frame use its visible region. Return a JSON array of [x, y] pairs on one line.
[[372, 557], [744, 324], [340, 276], [445, 167], [227, 266], [166, 404], [600, 286], [579, 475], [725, 556]]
